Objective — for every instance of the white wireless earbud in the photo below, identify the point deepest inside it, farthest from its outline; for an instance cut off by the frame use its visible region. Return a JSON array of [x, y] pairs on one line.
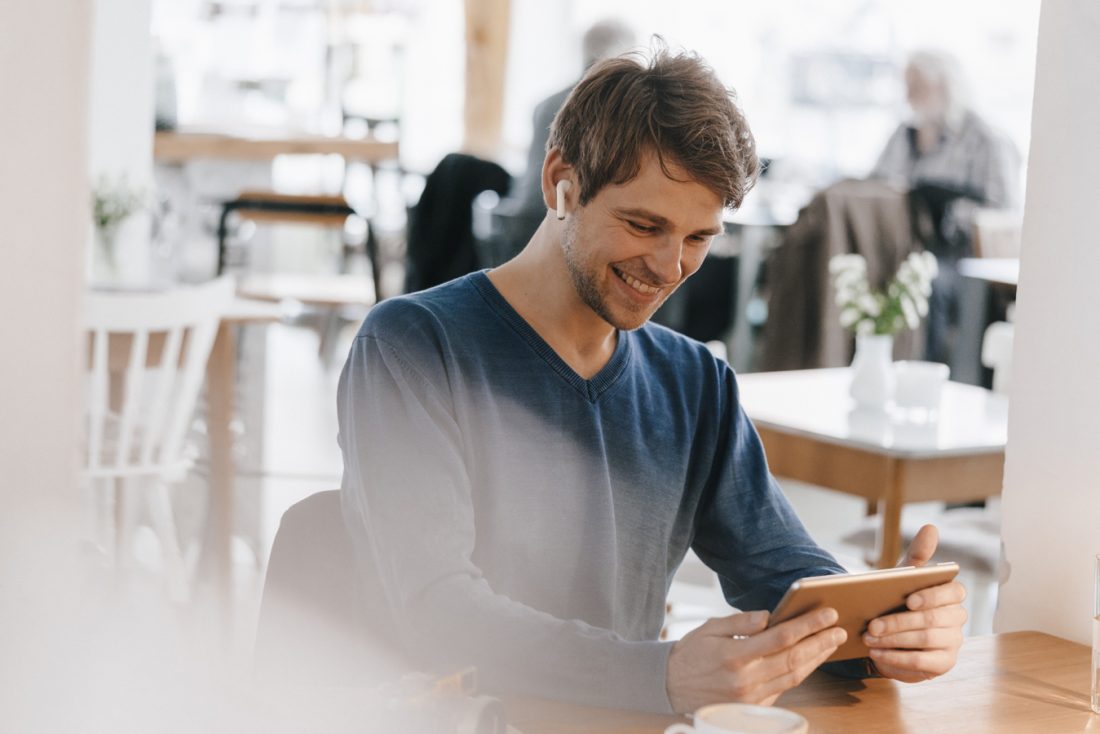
[[562, 187]]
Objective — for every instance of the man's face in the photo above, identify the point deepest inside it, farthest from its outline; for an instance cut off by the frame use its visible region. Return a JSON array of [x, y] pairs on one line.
[[925, 97], [633, 244]]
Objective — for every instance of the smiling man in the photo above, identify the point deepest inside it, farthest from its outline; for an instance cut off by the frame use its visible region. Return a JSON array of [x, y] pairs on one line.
[[527, 459]]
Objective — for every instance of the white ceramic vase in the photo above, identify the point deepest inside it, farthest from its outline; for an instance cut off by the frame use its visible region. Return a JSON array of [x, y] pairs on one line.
[[873, 371], [104, 262]]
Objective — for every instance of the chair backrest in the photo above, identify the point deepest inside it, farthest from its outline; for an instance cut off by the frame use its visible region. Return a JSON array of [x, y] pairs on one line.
[[322, 618], [997, 233], [148, 355], [997, 353]]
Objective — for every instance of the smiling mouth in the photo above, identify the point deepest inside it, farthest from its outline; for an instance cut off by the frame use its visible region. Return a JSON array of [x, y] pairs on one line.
[[643, 288]]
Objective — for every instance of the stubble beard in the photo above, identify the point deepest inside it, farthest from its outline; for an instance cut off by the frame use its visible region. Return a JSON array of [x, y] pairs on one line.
[[586, 283]]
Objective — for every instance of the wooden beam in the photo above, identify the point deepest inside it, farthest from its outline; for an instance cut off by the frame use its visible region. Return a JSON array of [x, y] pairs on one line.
[[486, 60]]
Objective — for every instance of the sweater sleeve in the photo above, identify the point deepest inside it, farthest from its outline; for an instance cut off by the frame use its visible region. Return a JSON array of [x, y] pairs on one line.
[[409, 509], [746, 531]]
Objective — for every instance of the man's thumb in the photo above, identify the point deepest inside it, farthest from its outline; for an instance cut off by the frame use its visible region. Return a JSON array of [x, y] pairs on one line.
[[923, 547]]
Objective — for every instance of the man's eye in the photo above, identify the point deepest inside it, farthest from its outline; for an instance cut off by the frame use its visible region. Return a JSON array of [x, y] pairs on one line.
[[642, 228]]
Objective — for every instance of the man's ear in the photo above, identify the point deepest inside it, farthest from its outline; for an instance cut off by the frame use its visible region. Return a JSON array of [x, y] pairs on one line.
[[555, 169]]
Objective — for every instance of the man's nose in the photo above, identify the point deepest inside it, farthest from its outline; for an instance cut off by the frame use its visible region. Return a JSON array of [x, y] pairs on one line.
[[666, 261]]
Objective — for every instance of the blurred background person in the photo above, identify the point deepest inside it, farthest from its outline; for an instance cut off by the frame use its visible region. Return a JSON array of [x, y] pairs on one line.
[[938, 168], [525, 207], [953, 163]]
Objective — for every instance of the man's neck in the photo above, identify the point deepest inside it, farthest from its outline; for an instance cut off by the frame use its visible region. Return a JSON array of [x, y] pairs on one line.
[[536, 283]]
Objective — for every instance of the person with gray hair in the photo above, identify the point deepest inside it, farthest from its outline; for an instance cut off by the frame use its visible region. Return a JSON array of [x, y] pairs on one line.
[[954, 163], [947, 145]]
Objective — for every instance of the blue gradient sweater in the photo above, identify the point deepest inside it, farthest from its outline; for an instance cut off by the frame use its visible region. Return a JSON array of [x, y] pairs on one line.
[[528, 521]]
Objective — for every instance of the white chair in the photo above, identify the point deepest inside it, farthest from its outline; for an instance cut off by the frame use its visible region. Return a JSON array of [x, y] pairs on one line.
[[997, 350], [148, 359]]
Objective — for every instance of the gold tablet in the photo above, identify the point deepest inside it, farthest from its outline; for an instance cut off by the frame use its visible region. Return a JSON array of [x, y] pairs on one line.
[[858, 598]]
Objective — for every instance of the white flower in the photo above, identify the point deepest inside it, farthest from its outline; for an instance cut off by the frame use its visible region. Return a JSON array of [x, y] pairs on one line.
[[869, 304], [909, 277], [930, 265], [850, 279], [912, 320], [905, 299], [849, 317], [922, 305]]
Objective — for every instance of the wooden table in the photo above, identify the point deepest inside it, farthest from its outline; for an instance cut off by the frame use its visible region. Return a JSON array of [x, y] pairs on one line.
[[1017, 682], [812, 433], [311, 289], [185, 145], [216, 562]]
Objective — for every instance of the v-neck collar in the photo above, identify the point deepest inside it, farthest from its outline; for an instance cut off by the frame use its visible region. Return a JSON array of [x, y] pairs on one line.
[[592, 388]]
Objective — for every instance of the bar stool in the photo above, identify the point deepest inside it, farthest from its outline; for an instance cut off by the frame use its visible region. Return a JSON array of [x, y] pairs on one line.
[[323, 211], [332, 293]]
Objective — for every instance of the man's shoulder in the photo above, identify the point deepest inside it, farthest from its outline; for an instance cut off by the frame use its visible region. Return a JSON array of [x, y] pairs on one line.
[[431, 316], [440, 308], [662, 349]]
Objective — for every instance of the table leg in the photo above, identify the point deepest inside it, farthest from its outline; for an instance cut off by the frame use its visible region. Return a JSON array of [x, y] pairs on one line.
[[890, 517], [220, 381]]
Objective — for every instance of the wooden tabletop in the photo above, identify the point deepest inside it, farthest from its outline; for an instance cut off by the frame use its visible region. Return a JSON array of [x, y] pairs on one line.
[[1016, 682], [183, 145], [310, 289]]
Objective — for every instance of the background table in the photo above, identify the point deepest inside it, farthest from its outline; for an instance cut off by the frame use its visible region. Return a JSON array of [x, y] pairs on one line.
[[1017, 682], [216, 561], [986, 286], [813, 433], [184, 145]]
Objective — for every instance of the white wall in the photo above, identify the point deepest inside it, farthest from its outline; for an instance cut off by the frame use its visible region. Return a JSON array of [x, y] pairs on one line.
[[44, 50], [1051, 525]]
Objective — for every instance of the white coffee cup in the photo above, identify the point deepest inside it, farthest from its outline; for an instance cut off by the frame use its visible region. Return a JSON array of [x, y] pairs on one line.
[[919, 385], [742, 718]]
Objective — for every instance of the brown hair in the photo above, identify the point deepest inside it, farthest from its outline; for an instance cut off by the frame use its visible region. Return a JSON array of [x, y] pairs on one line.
[[672, 105]]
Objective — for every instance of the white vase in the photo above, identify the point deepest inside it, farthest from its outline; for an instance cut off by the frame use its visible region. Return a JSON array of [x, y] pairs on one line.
[[104, 262], [873, 371]]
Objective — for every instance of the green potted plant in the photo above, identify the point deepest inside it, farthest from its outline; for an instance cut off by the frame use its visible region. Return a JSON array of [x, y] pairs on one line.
[[113, 202], [876, 316]]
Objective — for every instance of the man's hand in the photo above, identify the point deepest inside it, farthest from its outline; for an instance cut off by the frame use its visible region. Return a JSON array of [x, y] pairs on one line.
[[922, 642], [736, 659]]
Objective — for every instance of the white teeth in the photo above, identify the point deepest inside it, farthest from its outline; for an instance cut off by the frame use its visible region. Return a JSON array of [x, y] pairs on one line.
[[638, 285]]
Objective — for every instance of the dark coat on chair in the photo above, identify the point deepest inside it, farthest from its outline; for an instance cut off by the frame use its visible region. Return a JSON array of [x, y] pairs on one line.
[[441, 243]]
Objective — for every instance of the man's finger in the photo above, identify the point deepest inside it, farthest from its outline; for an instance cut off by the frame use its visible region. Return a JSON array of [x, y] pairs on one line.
[[790, 633], [937, 596], [772, 688], [929, 662], [953, 616], [923, 547], [935, 638], [735, 625], [796, 658]]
